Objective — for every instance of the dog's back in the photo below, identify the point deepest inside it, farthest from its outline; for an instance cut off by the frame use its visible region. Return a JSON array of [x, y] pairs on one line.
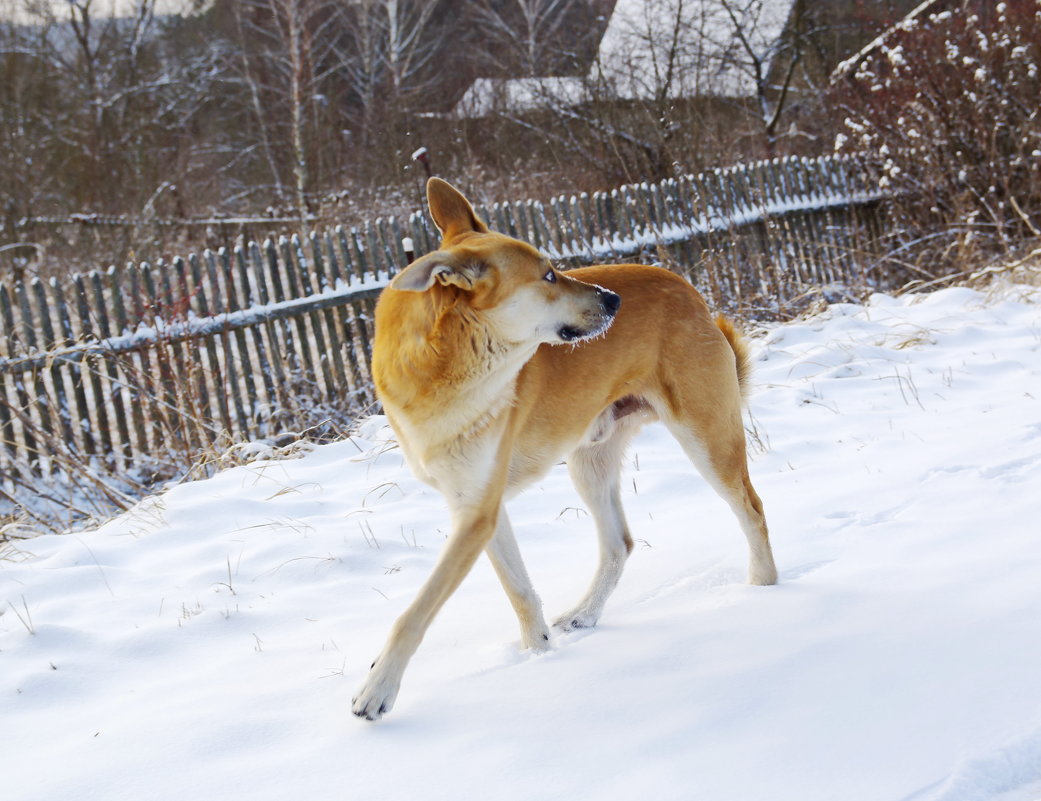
[[663, 349]]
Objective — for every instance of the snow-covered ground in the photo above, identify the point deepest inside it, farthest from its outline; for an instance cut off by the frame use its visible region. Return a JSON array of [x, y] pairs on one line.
[[206, 644]]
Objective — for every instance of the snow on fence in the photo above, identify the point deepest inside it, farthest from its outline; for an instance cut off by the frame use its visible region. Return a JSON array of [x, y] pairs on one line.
[[230, 346]]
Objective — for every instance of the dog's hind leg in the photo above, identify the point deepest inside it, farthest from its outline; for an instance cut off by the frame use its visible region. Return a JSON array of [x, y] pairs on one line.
[[506, 559], [721, 460], [595, 469]]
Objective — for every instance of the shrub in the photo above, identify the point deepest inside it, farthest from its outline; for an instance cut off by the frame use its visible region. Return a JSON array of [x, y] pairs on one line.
[[945, 110]]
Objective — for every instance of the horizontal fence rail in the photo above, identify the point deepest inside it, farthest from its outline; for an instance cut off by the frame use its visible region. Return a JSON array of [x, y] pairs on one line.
[[244, 343], [123, 221]]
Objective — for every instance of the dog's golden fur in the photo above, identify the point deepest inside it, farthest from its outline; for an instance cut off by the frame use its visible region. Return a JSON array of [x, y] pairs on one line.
[[492, 366]]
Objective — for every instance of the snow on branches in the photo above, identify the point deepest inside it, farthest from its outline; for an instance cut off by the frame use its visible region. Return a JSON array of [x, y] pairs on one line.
[[944, 107]]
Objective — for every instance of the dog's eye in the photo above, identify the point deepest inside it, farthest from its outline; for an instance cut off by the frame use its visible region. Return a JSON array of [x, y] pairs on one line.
[[550, 276]]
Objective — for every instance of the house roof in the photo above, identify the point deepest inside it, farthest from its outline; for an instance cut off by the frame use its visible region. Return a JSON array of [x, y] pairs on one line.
[[492, 95], [633, 58]]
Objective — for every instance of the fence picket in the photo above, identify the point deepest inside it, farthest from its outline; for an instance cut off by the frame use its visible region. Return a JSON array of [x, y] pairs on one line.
[[42, 406], [550, 238], [333, 355], [512, 226], [173, 430], [519, 212], [399, 259], [7, 434], [203, 406], [621, 221], [212, 377], [314, 344], [277, 358], [422, 239], [158, 276], [232, 345], [23, 407], [361, 260], [141, 314], [96, 406], [122, 446], [131, 376], [655, 202], [288, 331], [373, 246], [338, 244], [566, 240], [389, 246], [340, 325], [57, 383], [250, 295]]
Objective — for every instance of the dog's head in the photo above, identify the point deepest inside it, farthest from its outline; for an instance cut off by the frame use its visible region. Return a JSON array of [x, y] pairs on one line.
[[512, 286]]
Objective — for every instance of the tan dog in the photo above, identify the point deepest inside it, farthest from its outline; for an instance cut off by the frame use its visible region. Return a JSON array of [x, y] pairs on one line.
[[483, 402]]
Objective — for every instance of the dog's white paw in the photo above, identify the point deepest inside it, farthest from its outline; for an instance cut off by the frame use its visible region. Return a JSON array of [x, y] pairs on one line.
[[538, 641], [376, 696], [580, 618]]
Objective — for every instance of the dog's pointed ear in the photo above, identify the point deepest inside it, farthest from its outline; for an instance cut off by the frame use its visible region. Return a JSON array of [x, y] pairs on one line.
[[438, 267], [452, 213]]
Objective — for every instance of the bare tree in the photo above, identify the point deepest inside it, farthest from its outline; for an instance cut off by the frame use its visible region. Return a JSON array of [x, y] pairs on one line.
[[386, 60], [106, 100], [287, 55], [766, 50], [522, 33], [409, 45], [252, 81]]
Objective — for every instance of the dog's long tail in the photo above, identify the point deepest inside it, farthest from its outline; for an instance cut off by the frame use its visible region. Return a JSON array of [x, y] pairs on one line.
[[741, 353]]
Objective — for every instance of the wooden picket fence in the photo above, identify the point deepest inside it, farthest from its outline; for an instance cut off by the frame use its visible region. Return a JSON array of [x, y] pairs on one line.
[[123, 364]]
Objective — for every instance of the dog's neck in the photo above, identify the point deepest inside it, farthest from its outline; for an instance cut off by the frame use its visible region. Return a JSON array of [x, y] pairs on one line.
[[439, 378]]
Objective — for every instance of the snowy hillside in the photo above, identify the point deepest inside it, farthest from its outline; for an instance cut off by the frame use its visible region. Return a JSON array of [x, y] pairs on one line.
[[206, 645]]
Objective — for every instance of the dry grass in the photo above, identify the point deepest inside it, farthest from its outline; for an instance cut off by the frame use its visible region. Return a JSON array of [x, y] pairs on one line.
[[66, 483]]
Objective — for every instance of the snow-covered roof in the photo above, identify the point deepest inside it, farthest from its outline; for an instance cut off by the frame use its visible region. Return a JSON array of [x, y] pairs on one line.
[[633, 59], [490, 95], [98, 10]]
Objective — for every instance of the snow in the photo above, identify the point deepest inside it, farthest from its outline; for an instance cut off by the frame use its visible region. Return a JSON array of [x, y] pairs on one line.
[[207, 643], [486, 96]]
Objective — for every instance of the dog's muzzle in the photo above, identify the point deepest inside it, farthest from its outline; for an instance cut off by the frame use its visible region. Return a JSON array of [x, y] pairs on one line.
[[609, 305]]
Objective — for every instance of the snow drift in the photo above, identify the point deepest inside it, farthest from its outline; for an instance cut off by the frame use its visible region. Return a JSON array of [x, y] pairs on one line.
[[206, 644]]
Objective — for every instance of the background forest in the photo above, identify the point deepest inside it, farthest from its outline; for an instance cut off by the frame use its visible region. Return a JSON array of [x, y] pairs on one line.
[[312, 110]]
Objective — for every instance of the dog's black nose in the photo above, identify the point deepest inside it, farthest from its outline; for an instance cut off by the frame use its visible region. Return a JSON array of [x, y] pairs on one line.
[[609, 301]]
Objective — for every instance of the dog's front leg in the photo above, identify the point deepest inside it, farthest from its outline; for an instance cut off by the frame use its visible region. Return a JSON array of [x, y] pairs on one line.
[[471, 532], [506, 559]]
